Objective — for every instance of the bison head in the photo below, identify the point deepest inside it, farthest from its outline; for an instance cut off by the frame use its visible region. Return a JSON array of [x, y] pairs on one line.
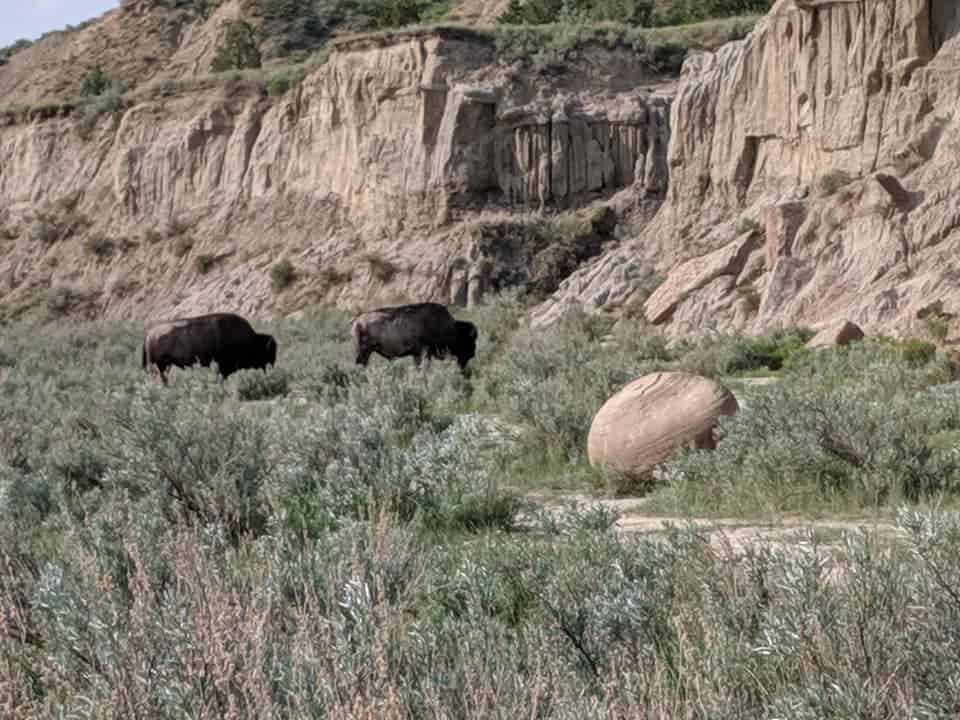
[[466, 342], [268, 350]]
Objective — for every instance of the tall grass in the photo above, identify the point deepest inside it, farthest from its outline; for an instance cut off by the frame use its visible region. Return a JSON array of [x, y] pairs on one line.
[[326, 540]]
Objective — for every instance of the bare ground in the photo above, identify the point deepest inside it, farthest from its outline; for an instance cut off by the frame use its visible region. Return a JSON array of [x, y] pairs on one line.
[[733, 533]]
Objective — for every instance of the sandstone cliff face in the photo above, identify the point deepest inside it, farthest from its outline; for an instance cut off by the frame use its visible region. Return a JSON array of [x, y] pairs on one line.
[[831, 133], [362, 177]]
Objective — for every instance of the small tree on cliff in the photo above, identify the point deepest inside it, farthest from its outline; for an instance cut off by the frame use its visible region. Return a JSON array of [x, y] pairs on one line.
[[238, 51]]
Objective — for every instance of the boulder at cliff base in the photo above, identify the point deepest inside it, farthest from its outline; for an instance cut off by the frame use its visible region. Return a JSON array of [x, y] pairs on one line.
[[642, 425]]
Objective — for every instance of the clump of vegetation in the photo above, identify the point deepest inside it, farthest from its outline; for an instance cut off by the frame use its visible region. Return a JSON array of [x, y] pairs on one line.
[[238, 50], [10, 50], [725, 355], [57, 221], [332, 276], [282, 274], [284, 81], [381, 268], [747, 225], [94, 82], [62, 299], [100, 246], [540, 251], [204, 263], [833, 182], [255, 385], [369, 531], [938, 327]]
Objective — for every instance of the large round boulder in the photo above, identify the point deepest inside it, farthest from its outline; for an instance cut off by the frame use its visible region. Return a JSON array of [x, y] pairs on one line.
[[640, 426]]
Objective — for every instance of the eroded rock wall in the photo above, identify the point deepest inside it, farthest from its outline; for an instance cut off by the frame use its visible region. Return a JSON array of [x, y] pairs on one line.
[[845, 113], [361, 176]]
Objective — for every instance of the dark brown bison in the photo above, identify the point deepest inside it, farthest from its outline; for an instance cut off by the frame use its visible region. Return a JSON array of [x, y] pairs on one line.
[[223, 338], [418, 331]]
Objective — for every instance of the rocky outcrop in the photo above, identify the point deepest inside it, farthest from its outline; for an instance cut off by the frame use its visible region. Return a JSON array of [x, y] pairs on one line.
[[695, 274], [836, 126], [557, 157], [365, 176], [643, 424]]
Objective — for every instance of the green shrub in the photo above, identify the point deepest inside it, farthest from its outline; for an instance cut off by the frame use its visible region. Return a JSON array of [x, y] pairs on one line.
[[938, 326], [278, 85], [392, 13], [10, 50], [732, 354], [255, 385], [238, 50], [832, 183], [747, 225], [363, 529], [62, 299], [94, 82], [282, 275], [844, 426], [204, 263]]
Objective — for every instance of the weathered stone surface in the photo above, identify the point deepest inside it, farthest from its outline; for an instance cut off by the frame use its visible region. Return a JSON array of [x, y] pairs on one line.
[[836, 333], [640, 426], [380, 152], [695, 274], [782, 222], [848, 108]]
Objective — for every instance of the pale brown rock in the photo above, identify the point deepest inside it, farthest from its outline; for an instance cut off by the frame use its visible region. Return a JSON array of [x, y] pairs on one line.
[[783, 220], [381, 152], [695, 274], [864, 97], [642, 425], [836, 333]]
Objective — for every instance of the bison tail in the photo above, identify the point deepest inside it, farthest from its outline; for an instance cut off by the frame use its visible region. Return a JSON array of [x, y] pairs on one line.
[[143, 356]]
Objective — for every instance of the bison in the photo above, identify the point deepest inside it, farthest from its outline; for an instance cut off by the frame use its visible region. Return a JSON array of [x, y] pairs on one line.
[[224, 338], [419, 330]]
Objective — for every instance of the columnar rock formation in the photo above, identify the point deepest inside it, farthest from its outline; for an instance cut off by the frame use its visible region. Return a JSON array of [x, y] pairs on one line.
[[845, 118], [377, 154]]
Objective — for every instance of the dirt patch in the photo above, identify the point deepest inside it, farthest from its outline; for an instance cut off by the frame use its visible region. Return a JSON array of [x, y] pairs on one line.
[[733, 533]]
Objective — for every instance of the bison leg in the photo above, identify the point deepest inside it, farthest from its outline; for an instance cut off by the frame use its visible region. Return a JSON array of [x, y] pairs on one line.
[[422, 360], [362, 357]]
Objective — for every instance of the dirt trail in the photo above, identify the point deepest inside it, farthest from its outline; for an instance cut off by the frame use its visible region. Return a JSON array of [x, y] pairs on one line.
[[733, 531]]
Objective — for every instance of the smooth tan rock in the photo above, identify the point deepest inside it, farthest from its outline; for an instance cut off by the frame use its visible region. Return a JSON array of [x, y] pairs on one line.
[[641, 426], [836, 333], [783, 220], [696, 274]]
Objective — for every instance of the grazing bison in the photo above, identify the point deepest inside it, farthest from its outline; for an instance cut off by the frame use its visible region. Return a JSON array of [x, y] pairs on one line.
[[224, 338], [421, 330]]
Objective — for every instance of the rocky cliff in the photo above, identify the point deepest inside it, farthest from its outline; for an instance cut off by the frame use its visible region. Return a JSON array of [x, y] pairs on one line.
[[813, 175], [366, 178]]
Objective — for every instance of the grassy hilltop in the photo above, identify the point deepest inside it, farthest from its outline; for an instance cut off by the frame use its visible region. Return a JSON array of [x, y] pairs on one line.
[[324, 541]]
